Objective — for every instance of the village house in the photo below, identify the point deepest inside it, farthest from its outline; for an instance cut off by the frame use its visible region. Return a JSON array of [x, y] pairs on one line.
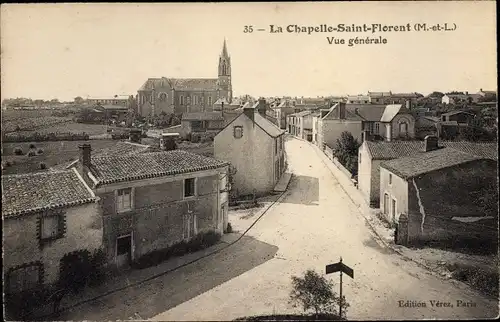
[[254, 147], [436, 191], [47, 216], [372, 153], [201, 124], [359, 99], [378, 121], [487, 94], [285, 108], [460, 98], [301, 124], [153, 200]]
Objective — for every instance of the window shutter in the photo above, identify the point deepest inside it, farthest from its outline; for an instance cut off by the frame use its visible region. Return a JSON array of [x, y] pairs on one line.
[[62, 225]]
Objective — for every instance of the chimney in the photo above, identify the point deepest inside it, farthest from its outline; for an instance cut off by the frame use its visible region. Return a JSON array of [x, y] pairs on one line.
[[249, 112], [167, 141], [365, 136], [431, 143], [262, 107], [341, 111], [466, 93], [85, 155], [135, 135]]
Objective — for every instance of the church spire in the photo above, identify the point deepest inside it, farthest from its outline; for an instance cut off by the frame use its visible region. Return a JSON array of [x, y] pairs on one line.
[[224, 49]]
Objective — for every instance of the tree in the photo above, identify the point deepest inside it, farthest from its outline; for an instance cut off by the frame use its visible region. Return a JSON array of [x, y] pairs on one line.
[[346, 151], [78, 100], [436, 94], [315, 293]]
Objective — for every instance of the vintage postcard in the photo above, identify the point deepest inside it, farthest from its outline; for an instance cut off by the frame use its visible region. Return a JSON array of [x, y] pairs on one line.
[[250, 161]]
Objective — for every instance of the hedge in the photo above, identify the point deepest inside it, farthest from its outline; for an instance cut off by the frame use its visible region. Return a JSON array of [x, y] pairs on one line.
[[39, 137]]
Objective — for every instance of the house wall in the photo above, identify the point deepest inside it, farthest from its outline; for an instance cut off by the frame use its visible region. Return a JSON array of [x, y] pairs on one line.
[[198, 104], [364, 171], [84, 231], [453, 192], [332, 129], [252, 155], [156, 220], [396, 190], [409, 119]]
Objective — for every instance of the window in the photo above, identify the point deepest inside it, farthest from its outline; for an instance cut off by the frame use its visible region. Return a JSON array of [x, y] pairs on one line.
[[210, 100], [188, 99], [24, 277], [189, 187], [190, 225], [51, 227], [403, 128], [124, 200], [276, 146], [238, 132], [390, 178], [181, 100], [377, 128]]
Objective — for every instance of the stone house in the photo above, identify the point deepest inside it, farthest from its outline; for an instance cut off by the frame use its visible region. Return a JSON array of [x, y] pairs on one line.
[[372, 153], [46, 216], [437, 191], [153, 200], [300, 125], [285, 108], [255, 148], [382, 121], [201, 124]]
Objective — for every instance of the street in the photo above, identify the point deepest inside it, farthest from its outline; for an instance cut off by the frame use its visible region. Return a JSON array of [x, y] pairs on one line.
[[313, 226]]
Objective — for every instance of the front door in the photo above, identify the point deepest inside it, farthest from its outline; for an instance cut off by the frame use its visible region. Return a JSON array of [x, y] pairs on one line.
[[393, 209], [124, 251]]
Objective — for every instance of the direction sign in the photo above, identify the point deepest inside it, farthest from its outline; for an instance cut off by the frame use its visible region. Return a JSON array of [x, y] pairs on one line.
[[332, 268]]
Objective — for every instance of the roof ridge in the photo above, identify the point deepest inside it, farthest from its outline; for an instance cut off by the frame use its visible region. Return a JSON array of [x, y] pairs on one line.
[[29, 174]]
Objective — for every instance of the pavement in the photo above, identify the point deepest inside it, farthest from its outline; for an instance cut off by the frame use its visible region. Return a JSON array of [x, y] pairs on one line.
[[314, 224], [142, 294], [282, 184]]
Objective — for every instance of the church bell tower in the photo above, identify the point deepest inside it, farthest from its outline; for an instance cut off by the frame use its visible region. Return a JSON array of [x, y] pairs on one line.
[[225, 89]]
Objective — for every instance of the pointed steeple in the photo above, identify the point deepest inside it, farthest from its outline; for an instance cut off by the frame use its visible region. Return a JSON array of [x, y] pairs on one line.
[[224, 49]]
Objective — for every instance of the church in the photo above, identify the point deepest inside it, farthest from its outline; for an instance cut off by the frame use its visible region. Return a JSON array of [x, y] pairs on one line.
[[181, 95]]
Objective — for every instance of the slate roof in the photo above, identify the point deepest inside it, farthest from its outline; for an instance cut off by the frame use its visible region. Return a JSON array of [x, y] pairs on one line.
[[188, 84], [139, 166], [392, 150], [390, 112], [33, 192], [358, 112], [405, 95], [457, 112], [425, 162], [202, 116], [267, 126]]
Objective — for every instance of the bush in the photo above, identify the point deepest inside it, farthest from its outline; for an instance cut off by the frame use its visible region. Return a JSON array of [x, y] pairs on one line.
[[32, 146], [42, 166], [18, 151], [97, 273], [8, 163], [199, 242], [31, 153], [315, 292], [21, 306], [39, 151]]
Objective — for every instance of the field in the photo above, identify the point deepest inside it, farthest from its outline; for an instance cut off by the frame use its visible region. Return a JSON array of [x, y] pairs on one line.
[[73, 127], [9, 115], [54, 153]]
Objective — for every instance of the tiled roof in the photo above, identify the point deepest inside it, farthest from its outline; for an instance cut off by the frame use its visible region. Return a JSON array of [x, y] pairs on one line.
[[358, 97], [390, 112], [220, 101], [457, 112], [189, 84], [300, 114], [123, 148], [358, 112], [149, 165], [425, 162], [202, 116], [392, 150], [32, 192], [405, 95], [267, 126], [379, 94]]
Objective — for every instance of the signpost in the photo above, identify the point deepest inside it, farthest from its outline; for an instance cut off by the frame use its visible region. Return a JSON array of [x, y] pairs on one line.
[[342, 268]]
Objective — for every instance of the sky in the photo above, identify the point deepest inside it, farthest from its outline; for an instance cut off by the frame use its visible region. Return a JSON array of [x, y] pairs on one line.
[[100, 50]]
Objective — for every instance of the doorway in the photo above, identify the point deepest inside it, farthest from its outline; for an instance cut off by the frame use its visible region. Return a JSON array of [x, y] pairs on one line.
[[124, 251]]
